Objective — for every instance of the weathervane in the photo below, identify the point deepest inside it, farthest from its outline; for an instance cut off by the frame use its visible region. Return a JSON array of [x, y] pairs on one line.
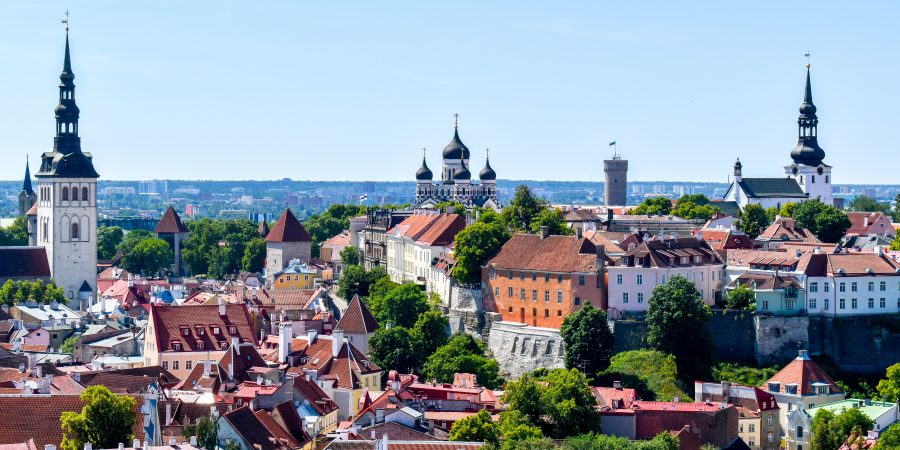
[[807, 58], [66, 21]]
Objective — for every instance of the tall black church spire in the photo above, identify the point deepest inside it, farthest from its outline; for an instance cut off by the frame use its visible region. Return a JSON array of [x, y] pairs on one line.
[[26, 185], [807, 150]]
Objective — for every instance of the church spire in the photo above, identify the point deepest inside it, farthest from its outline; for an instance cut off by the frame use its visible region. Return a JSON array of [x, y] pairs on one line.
[[807, 151], [26, 185], [67, 140]]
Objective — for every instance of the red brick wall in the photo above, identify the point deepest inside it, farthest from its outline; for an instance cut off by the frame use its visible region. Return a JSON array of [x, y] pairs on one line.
[[719, 427], [538, 312]]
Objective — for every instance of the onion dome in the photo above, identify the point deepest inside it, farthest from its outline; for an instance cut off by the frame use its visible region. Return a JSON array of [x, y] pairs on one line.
[[424, 173], [487, 174], [462, 172], [456, 149]]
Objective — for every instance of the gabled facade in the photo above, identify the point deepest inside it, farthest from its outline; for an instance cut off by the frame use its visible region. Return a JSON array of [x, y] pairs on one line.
[[414, 243]]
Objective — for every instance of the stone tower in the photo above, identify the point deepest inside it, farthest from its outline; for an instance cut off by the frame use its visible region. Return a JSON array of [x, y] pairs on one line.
[[286, 241], [27, 196], [615, 172], [67, 201], [174, 232]]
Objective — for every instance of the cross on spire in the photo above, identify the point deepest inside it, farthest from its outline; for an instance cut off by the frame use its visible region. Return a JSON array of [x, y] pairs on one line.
[[424, 152], [487, 151], [456, 120], [66, 21]]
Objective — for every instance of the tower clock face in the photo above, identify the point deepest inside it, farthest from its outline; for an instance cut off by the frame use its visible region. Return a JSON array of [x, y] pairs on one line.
[[820, 170], [794, 170]]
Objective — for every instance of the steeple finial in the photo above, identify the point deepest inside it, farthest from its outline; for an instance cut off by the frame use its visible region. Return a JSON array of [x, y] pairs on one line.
[[487, 152], [456, 121]]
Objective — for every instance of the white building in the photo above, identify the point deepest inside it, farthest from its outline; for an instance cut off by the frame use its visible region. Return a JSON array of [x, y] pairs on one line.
[[653, 262], [849, 284], [413, 244]]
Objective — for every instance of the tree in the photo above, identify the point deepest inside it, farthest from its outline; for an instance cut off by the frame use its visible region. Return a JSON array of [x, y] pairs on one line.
[[890, 386], [588, 340], [105, 420], [8, 293], [741, 297], [830, 431], [522, 209], [393, 348], [559, 402], [462, 354], [862, 203], [16, 234], [331, 222], [108, 239], [217, 247], [655, 206], [131, 239], [694, 206], [653, 374], [678, 316], [831, 225], [353, 282], [515, 430], [771, 212], [401, 306], [476, 428], [895, 244], [254, 255], [787, 209], [451, 207], [475, 244], [592, 441], [68, 346], [22, 291], [554, 219], [206, 429], [896, 211], [150, 256], [350, 255], [743, 375], [753, 220], [430, 332], [889, 438]]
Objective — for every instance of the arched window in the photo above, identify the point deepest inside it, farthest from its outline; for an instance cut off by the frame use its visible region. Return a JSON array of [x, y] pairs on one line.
[[84, 194], [74, 193], [826, 178], [799, 431], [65, 194], [75, 234]]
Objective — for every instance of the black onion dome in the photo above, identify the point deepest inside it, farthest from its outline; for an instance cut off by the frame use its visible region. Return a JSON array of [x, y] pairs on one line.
[[488, 172], [456, 149], [424, 173], [462, 172]]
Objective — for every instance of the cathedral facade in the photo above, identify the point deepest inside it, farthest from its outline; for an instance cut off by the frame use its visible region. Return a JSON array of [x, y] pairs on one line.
[[456, 183], [807, 177], [67, 200]]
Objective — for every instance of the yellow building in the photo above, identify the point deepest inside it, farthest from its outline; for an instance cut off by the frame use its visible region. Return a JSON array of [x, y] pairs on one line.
[[180, 337], [297, 276]]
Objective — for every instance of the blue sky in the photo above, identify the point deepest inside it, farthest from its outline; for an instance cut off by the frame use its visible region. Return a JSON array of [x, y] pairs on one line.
[[354, 90]]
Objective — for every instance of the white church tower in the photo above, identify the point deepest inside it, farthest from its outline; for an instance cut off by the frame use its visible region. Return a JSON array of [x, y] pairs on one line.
[[808, 168], [67, 201]]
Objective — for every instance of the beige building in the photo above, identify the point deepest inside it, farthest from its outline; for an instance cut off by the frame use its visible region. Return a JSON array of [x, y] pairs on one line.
[[180, 337], [758, 424]]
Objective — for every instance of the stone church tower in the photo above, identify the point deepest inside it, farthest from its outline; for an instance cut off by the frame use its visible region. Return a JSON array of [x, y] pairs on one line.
[[67, 201], [27, 197]]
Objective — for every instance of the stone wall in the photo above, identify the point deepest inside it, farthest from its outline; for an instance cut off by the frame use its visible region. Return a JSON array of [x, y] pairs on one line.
[[862, 344], [520, 349], [733, 335], [779, 338]]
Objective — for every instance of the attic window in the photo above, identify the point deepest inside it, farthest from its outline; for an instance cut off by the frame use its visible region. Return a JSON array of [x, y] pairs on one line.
[[774, 387], [185, 331], [223, 345], [176, 346], [215, 330], [199, 345], [232, 329], [200, 330]]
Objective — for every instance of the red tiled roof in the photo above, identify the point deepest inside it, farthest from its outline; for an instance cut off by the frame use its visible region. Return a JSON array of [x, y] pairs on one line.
[[404, 445], [288, 229], [394, 432], [339, 240], [317, 398], [357, 319], [614, 398], [675, 406], [803, 372], [248, 426], [414, 226], [275, 429], [784, 229], [859, 225], [551, 254], [688, 440], [24, 262], [170, 223], [33, 210], [37, 417], [170, 321], [860, 264], [344, 368], [443, 230]]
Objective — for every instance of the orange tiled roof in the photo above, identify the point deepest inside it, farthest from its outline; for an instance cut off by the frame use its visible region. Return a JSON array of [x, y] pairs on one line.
[[288, 229], [170, 223], [803, 372], [357, 319], [170, 323], [551, 254]]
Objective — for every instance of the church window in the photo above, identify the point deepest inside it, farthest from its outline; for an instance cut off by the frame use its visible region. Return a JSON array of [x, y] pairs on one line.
[[65, 194], [75, 234], [84, 194], [74, 193], [826, 178], [801, 179]]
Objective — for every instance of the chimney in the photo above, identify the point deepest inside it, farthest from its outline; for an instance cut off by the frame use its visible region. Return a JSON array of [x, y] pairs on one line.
[[121, 446], [609, 216], [221, 306], [193, 441], [337, 341], [173, 441], [236, 343], [135, 443], [699, 235], [879, 250], [311, 335], [866, 221], [617, 385], [285, 335], [384, 442], [579, 233], [726, 392], [168, 414], [817, 250], [206, 368], [545, 231], [88, 446], [600, 263]]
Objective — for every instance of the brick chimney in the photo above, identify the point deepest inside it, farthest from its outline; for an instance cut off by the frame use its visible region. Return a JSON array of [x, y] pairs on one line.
[[545, 232]]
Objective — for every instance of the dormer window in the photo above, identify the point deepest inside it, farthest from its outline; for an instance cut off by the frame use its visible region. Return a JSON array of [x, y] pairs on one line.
[[199, 345], [176, 346], [684, 260], [216, 331], [232, 329], [185, 331], [774, 387], [200, 331]]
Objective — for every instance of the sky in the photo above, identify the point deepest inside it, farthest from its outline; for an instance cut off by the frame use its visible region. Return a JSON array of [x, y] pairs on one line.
[[354, 90]]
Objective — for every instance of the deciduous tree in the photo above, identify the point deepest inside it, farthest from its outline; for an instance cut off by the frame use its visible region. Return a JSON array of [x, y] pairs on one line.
[[401, 306], [889, 387], [753, 220], [462, 354], [654, 206], [588, 340], [555, 221], [105, 420], [254, 255], [350, 255], [430, 332], [108, 239], [393, 348], [476, 428], [474, 246], [741, 297], [676, 317], [206, 430], [522, 209], [653, 374], [150, 256]]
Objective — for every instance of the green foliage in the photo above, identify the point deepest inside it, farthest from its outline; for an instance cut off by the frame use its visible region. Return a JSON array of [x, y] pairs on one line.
[[462, 354], [862, 203], [741, 297], [254, 255], [474, 245], [350, 255], [16, 234], [108, 239], [516, 432], [753, 220], [401, 306], [588, 340], [554, 219], [694, 206], [430, 332], [331, 222], [896, 211], [13, 292], [744, 375], [889, 387], [522, 209], [656, 206], [771, 212], [393, 348], [895, 244], [677, 316], [131, 239], [828, 223], [68, 346], [105, 420], [217, 247], [654, 375], [451, 207], [560, 402], [356, 281], [476, 428], [150, 256], [592, 441], [787, 209], [205, 428], [889, 438], [830, 431]]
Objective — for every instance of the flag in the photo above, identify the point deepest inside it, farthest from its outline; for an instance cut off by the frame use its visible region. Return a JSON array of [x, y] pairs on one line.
[[364, 197], [612, 143]]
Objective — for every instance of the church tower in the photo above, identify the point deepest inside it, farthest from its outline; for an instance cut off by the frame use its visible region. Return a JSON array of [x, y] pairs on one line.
[[808, 168], [67, 200], [27, 197]]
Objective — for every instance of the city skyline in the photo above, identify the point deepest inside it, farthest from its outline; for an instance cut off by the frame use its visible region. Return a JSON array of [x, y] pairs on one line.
[[388, 84]]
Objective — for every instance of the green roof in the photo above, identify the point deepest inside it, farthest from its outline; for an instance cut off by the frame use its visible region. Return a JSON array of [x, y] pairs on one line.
[[873, 410]]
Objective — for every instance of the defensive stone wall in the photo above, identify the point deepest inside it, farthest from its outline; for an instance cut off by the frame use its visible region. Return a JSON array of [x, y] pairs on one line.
[[861, 344], [520, 349]]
